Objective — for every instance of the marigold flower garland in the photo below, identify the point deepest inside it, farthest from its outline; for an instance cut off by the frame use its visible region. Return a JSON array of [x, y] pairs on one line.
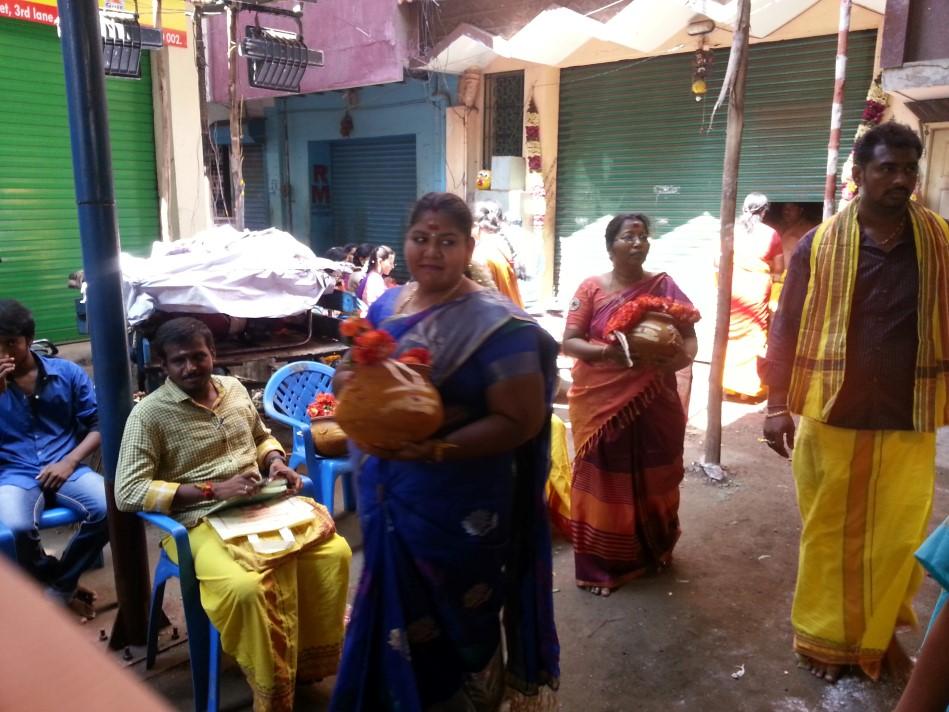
[[633, 312], [322, 406], [873, 112], [371, 346], [535, 182], [532, 134]]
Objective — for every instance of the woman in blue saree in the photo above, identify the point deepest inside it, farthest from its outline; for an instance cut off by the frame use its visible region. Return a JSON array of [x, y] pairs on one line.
[[928, 688], [454, 608]]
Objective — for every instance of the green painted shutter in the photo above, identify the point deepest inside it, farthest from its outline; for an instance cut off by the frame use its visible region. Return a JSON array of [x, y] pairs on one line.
[[631, 135], [373, 184], [39, 229]]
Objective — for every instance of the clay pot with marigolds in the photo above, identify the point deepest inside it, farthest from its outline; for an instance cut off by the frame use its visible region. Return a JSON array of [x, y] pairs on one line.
[[652, 325], [655, 337], [388, 405]]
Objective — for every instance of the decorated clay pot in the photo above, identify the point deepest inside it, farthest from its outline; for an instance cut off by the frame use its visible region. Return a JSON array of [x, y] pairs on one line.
[[328, 438], [655, 336], [388, 405]]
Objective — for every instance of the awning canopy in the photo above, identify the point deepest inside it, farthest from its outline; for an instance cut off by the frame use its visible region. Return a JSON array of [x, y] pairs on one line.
[[556, 33]]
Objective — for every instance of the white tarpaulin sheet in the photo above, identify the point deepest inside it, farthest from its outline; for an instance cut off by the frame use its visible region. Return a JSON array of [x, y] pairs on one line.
[[248, 274]]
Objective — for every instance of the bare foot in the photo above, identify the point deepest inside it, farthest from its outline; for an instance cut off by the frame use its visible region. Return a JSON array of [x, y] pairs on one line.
[[824, 671], [897, 663]]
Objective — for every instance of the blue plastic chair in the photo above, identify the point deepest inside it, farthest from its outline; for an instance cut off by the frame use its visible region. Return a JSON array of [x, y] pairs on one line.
[[204, 641], [51, 518], [287, 394]]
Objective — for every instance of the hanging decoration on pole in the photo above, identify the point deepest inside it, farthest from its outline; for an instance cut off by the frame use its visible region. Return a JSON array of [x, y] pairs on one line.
[[873, 111], [535, 175], [701, 66]]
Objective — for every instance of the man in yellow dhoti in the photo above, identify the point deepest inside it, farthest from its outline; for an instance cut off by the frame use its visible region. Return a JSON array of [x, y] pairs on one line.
[[860, 349], [198, 440]]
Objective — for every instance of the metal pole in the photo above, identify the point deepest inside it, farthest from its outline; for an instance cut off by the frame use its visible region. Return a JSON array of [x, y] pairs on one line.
[[98, 232], [733, 132], [836, 112], [234, 119]]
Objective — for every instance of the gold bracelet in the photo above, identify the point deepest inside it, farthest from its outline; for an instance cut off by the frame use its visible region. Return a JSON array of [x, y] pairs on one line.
[[778, 414]]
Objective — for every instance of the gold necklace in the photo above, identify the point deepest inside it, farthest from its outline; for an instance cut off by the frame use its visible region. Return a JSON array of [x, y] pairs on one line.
[[893, 235], [448, 297]]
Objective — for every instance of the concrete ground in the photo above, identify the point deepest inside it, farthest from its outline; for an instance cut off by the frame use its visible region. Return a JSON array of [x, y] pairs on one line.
[[674, 641]]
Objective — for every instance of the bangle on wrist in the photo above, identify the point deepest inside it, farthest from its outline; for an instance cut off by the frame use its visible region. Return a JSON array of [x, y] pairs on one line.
[[777, 413]]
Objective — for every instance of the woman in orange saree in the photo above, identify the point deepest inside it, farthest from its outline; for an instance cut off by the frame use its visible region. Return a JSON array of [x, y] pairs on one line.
[[758, 255], [628, 424]]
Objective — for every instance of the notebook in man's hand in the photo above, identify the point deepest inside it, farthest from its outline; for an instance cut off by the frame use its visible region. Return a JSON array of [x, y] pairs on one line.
[[274, 488]]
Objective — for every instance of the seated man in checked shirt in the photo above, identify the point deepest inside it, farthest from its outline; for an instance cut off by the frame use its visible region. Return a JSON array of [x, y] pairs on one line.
[[195, 441]]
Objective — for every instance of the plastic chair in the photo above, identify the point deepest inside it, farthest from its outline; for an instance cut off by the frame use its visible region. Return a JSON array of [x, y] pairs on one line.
[[287, 394], [204, 642], [51, 518]]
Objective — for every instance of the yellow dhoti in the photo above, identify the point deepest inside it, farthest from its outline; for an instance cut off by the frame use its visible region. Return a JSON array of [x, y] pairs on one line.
[[283, 625], [865, 498]]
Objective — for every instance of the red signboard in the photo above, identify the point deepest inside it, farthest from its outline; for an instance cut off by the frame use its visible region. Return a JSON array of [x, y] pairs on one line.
[[47, 14]]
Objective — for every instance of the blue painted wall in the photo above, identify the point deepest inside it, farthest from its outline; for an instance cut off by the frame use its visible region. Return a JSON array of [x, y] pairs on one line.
[[410, 107]]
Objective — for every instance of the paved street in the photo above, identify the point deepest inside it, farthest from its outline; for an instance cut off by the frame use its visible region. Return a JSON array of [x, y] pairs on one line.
[[668, 642]]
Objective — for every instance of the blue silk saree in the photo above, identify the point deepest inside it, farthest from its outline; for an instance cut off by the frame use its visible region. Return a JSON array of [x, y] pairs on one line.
[[457, 554]]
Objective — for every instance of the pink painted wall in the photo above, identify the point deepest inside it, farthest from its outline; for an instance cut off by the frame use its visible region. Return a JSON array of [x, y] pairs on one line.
[[365, 42]]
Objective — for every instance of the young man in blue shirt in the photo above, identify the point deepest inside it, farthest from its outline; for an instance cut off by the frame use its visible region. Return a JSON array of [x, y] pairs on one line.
[[48, 425]]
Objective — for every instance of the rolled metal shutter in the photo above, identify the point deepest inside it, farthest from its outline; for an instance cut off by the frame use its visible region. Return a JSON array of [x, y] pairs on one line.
[[256, 202], [373, 189], [39, 229], [631, 135]]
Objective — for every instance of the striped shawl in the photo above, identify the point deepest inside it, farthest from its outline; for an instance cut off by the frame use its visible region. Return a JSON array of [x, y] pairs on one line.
[[820, 358]]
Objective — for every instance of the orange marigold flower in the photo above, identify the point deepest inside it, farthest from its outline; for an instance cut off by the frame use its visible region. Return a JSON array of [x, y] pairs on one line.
[[324, 404], [419, 356], [373, 346], [631, 313], [354, 326]]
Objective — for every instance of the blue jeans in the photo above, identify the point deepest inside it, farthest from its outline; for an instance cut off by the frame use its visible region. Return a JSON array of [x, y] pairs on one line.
[[20, 511]]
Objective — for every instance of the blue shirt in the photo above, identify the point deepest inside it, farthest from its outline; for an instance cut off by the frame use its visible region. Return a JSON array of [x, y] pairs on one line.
[[41, 429], [879, 375]]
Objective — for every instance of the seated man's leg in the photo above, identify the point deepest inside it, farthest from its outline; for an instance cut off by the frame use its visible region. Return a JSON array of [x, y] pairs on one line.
[[242, 605], [322, 584], [20, 510], [85, 495]]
